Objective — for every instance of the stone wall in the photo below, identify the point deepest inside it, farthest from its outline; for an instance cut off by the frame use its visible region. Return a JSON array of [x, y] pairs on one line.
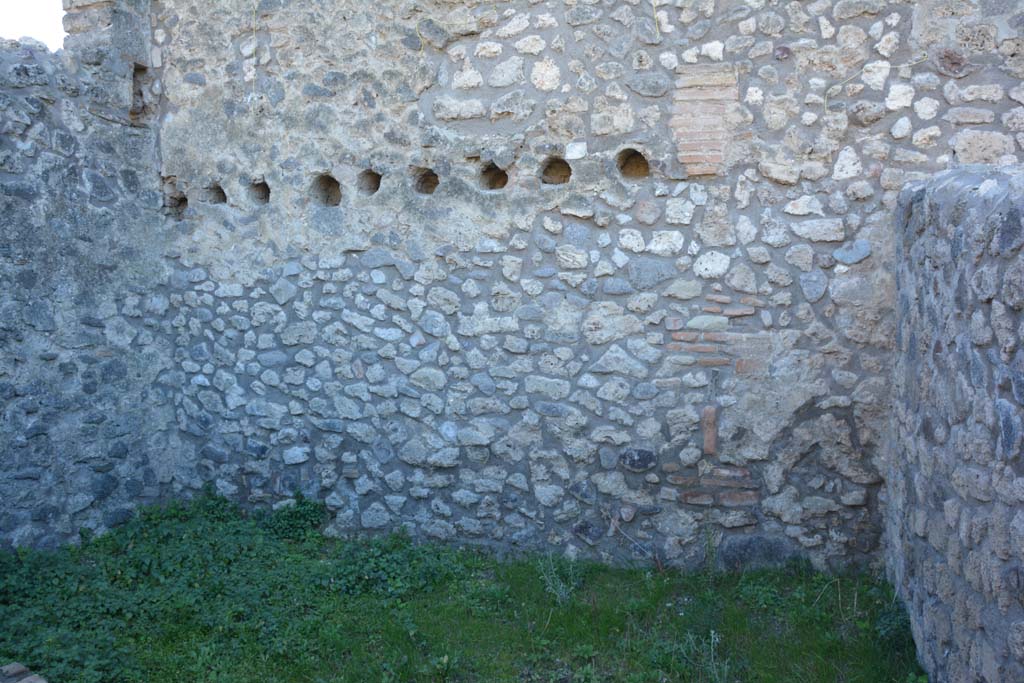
[[82, 439], [609, 277], [384, 295], [956, 485]]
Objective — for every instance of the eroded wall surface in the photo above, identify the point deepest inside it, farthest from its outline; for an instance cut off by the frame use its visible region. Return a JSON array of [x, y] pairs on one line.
[[83, 436], [956, 488]]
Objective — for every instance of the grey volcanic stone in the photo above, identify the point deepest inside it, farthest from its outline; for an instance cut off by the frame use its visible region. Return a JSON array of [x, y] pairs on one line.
[[852, 253], [638, 459], [968, 218], [754, 551], [645, 273]]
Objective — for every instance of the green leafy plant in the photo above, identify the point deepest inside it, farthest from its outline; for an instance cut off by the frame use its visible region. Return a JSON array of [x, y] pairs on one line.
[[205, 591], [893, 626], [760, 591], [296, 522], [441, 668]]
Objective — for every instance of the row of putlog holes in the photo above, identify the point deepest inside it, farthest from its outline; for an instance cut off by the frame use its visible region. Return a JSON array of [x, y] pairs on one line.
[[327, 191]]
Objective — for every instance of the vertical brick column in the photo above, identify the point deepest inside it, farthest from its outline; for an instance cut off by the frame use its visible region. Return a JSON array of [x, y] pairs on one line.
[[700, 127]]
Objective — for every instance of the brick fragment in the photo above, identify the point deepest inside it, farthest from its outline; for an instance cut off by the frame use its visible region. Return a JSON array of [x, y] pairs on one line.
[[701, 348], [709, 426], [697, 498], [729, 472], [738, 498], [704, 74], [713, 482]]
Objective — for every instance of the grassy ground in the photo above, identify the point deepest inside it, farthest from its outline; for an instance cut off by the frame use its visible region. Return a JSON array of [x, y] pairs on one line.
[[200, 592]]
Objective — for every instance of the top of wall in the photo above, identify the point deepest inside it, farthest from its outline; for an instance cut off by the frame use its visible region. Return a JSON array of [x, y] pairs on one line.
[[816, 95]]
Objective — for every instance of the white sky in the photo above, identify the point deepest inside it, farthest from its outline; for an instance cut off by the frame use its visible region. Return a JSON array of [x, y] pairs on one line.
[[39, 19]]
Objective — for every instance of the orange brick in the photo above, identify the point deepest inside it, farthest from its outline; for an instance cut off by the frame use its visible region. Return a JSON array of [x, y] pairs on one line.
[[706, 152], [701, 169], [698, 117], [738, 498], [695, 139], [709, 426], [701, 348], [694, 131], [697, 498], [701, 149], [719, 298], [714, 361], [702, 165], [689, 141], [691, 127], [727, 472], [739, 311]]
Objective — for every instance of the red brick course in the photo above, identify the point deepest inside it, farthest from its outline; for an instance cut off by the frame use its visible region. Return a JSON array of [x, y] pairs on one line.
[[704, 94]]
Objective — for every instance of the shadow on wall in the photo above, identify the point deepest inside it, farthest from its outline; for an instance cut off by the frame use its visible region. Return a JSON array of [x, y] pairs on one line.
[[326, 190]]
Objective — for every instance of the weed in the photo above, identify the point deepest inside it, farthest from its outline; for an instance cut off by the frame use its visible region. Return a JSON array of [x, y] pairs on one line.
[[295, 522], [893, 626], [561, 578], [440, 669], [759, 592]]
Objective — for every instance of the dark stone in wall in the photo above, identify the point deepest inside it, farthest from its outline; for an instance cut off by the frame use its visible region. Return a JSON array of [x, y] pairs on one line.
[[963, 398]]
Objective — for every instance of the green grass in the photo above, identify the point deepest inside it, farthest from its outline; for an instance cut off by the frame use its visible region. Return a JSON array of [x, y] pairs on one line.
[[201, 592]]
